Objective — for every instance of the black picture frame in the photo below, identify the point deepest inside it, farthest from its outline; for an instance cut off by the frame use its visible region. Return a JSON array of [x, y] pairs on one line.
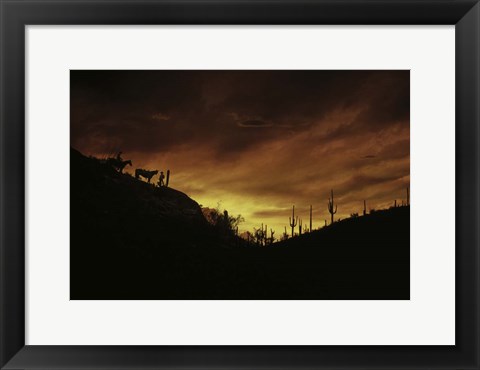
[[16, 14]]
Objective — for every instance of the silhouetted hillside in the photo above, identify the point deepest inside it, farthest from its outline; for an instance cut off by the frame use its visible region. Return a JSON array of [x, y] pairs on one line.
[[109, 192], [366, 257], [370, 231], [131, 240]]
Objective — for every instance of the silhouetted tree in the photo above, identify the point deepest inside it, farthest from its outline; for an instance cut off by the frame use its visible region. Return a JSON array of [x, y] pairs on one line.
[[222, 220]]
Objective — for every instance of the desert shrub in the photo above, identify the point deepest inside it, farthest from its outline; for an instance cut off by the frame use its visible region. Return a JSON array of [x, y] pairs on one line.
[[222, 220]]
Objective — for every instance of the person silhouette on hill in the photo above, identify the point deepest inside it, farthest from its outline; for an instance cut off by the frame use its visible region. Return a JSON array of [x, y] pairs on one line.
[[160, 179], [119, 157]]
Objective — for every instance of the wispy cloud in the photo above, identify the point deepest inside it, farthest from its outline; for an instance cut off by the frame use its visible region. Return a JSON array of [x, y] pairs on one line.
[[160, 116]]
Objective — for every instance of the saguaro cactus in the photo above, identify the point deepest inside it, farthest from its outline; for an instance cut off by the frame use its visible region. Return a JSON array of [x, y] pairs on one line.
[[293, 221], [168, 178], [265, 237], [408, 196], [285, 235], [300, 227], [311, 218], [272, 238], [364, 207], [331, 206], [260, 235]]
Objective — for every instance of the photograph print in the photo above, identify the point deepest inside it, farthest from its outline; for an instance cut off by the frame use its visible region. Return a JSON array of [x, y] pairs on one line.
[[240, 184]]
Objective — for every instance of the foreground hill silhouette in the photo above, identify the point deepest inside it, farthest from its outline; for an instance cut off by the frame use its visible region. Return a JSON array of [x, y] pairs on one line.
[[130, 240]]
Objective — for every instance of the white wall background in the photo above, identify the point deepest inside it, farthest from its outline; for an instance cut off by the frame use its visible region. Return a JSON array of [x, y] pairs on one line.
[[428, 318]]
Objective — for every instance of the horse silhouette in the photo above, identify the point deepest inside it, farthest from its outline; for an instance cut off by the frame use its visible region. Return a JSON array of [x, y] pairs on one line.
[[118, 164], [145, 173], [122, 164]]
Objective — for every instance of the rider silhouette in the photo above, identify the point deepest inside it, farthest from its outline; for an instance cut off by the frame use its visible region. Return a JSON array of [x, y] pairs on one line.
[[160, 179]]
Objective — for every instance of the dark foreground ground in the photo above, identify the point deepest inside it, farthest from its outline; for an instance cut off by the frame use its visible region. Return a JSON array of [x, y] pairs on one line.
[[130, 240]]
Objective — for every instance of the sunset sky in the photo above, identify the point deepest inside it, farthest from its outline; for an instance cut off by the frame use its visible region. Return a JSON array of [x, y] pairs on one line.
[[255, 142]]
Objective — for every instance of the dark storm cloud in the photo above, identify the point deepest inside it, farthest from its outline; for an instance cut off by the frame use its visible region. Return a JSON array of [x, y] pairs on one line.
[[258, 141], [157, 110]]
